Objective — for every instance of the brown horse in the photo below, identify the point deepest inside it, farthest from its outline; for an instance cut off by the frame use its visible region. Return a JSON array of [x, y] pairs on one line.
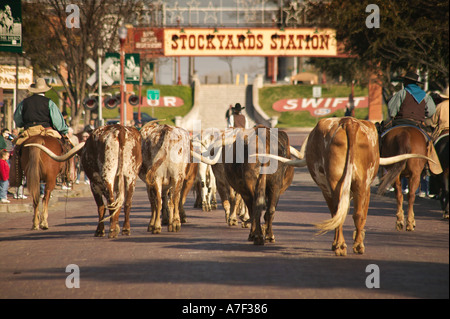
[[39, 167], [403, 140]]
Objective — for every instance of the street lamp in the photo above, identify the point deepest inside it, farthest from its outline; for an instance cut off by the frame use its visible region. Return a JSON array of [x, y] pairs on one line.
[[122, 37]]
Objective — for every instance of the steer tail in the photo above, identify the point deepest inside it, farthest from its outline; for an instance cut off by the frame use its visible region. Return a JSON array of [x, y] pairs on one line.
[[344, 192], [33, 174], [119, 184]]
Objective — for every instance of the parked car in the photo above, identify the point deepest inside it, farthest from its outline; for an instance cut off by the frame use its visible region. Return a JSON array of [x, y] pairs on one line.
[[144, 118]]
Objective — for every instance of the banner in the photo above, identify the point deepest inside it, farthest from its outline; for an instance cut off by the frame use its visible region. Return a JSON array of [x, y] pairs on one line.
[[11, 26], [320, 106], [250, 42], [8, 77]]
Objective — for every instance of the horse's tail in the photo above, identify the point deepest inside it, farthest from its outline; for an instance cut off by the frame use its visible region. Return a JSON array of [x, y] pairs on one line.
[[344, 193], [403, 147], [33, 174]]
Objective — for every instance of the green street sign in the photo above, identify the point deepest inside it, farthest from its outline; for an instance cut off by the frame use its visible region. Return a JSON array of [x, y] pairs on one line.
[[152, 95]]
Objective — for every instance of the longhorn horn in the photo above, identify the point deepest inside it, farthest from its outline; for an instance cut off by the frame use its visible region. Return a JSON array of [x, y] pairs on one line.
[[299, 154], [207, 160], [398, 158], [58, 158], [287, 161]]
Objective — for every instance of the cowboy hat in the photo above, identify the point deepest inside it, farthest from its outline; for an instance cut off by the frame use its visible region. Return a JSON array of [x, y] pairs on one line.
[[237, 107], [39, 87], [412, 77]]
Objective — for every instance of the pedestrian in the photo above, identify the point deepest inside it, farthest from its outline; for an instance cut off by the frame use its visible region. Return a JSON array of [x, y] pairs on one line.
[[90, 127], [237, 119], [4, 176]]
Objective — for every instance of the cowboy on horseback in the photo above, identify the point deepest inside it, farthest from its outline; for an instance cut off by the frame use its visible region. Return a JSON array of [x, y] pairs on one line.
[[38, 115], [411, 102], [411, 106]]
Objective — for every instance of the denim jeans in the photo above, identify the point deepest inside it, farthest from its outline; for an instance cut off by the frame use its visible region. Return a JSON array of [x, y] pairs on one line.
[[4, 189]]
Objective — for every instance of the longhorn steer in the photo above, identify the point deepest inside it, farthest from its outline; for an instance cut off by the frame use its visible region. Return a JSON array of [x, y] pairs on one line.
[[111, 158], [260, 185], [342, 155], [165, 153]]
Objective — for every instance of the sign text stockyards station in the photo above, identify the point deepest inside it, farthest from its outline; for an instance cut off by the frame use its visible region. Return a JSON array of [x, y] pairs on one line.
[[249, 42]]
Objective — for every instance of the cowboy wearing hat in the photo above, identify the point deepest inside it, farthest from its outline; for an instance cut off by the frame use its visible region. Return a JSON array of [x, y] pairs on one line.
[[39, 110], [411, 102], [237, 119], [41, 115]]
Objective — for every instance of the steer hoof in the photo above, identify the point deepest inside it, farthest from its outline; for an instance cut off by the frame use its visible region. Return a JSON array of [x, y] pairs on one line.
[[126, 232], [358, 248], [99, 233], [399, 226], [411, 226], [340, 249]]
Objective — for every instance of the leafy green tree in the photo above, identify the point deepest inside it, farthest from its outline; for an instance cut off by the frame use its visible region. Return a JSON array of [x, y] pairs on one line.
[[412, 34]]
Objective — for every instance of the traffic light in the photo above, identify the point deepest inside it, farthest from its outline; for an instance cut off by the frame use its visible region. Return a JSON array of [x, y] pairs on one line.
[[111, 102], [91, 103], [133, 100]]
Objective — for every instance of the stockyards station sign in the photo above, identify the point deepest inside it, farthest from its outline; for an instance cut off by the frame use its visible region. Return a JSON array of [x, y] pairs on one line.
[[250, 42]]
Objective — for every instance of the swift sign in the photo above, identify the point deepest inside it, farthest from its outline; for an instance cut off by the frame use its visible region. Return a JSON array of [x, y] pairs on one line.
[[250, 42], [319, 107]]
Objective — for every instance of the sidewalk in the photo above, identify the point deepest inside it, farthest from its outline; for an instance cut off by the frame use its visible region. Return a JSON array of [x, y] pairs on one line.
[[58, 195]]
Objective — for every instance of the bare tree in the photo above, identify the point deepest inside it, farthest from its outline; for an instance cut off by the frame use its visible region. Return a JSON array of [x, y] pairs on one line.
[[60, 35]]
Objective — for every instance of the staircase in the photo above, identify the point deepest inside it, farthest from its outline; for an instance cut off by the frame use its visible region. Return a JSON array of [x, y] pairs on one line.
[[212, 102]]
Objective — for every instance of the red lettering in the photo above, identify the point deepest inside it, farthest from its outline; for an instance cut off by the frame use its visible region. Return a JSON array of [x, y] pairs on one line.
[[315, 41], [259, 37], [230, 41], [174, 44], [324, 40], [251, 41], [300, 39], [192, 41], [282, 37], [273, 45], [200, 45], [183, 38], [221, 37], [291, 44]]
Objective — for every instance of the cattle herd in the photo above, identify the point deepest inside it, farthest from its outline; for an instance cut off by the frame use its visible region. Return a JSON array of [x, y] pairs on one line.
[[250, 169]]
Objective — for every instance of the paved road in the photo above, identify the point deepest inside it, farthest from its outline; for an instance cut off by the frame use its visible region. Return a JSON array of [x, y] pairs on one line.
[[208, 259]]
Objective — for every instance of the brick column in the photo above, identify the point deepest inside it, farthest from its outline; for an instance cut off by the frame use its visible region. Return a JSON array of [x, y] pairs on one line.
[[375, 99]]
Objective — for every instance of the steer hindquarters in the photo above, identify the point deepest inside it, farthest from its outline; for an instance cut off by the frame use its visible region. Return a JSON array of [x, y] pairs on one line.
[[342, 157]]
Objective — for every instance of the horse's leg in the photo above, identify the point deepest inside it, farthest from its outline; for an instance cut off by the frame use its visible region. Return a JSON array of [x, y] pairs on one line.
[[49, 187], [414, 182], [399, 195], [35, 216]]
